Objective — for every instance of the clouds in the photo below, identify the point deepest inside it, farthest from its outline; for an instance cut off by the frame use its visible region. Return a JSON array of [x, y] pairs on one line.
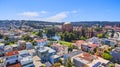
[[59, 16], [44, 16], [43, 12], [29, 14], [32, 14], [56, 17]]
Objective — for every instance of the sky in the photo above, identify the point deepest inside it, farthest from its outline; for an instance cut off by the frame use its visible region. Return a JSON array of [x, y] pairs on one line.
[[60, 10]]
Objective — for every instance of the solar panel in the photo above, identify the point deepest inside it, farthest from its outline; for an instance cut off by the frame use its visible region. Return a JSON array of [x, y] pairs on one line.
[[97, 64]]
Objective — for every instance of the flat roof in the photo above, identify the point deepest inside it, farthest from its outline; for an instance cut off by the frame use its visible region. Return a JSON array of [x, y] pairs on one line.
[[50, 50], [23, 51], [95, 60], [117, 49], [55, 56]]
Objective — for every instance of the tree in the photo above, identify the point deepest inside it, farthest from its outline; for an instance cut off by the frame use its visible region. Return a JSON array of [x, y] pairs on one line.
[[67, 36], [1, 36], [6, 38], [107, 56], [69, 63], [50, 32], [82, 38], [40, 33], [26, 37], [111, 65], [56, 65], [100, 35]]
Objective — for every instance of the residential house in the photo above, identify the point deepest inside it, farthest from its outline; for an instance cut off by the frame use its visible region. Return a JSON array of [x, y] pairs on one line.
[[15, 47], [22, 44], [25, 58], [54, 59], [41, 42], [2, 50], [79, 43], [60, 49], [29, 45], [11, 37], [89, 47], [118, 42], [87, 60], [108, 42], [94, 40], [11, 58], [116, 54], [8, 48], [100, 50], [45, 53], [48, 64]]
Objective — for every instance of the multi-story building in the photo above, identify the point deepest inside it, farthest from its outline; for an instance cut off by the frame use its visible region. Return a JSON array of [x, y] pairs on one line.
[[22, 44], [41, 42], [116, 54], [8, 48], [11, 58], [87, 60], [108, 42], [29, 45], [2, 50], [79, 43], [25, 58], [60, 49], [54, 58], [89, 47], [15, 47], [100, 50], [45, 53]]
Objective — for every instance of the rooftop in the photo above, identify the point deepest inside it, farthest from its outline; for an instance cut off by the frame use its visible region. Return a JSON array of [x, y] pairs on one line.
[[93, 45], [24, 52], [43, 49], [15, 65], [11, 53], [90, 60], [117, 49], [79, 42], [28, 43], [25, 57], [1, 44], [40, 40], [55, 56]]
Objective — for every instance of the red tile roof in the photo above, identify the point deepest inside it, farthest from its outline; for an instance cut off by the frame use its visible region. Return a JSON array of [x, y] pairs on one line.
[[108, 26], [86, 56], [40, 40], [11, 53], [93, 45], [79, 42], [15, 65]]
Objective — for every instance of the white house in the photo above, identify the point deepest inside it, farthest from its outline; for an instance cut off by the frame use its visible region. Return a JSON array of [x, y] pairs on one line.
[[25, 58]]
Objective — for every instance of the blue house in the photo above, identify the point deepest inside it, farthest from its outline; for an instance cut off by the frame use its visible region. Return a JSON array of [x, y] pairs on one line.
[[108, 42], [116, 54]]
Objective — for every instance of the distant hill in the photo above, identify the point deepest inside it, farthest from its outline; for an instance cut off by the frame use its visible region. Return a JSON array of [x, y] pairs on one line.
[[29, 22]]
